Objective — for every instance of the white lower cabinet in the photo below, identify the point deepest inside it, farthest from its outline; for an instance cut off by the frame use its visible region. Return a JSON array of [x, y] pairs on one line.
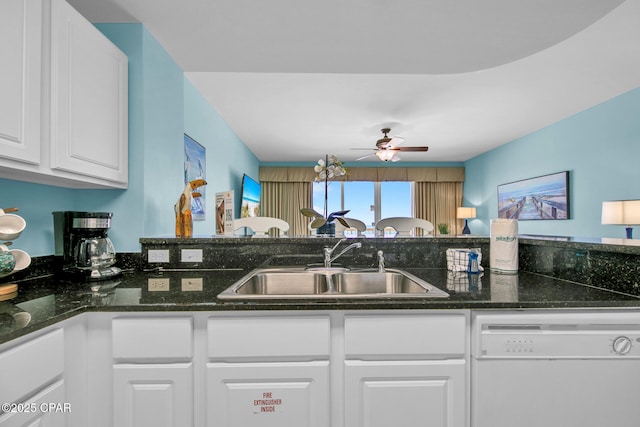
[[43, 379], [268, 394], [152, 371], [158, 395], [48, 408], [243, 369], [290, 369], [406, 370], [268, 371], [405, 393]]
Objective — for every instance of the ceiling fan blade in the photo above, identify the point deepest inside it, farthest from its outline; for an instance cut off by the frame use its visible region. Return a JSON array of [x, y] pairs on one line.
[[396, 140], [409, 148], [364, 157]]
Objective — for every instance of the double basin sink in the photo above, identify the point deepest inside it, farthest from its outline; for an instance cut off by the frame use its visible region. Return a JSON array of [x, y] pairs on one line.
[[329, 283]]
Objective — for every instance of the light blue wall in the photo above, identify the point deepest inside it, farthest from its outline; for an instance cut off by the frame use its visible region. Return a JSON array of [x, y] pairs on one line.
[[36, 202], [600, 147], [228, 158], [160, 101]]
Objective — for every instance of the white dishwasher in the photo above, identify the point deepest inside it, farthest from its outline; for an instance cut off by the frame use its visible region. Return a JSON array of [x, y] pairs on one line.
[[555, 369]]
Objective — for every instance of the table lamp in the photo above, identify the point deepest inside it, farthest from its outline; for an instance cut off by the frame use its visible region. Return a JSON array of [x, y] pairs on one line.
[[466, 213], [622, 212]]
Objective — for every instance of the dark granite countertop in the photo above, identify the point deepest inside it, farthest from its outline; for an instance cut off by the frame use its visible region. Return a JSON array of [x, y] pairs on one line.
[[50, 299], [628, 246], [602, 244]]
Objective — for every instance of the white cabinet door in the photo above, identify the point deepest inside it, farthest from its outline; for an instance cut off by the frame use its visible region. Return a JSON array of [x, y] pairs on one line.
[[405, 393], [22, 369], [153, 395], [88, 99], [268, 394], [20, 88], [48, 408]]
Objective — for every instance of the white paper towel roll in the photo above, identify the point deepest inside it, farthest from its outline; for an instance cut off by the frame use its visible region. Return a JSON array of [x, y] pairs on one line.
[[504, 245]]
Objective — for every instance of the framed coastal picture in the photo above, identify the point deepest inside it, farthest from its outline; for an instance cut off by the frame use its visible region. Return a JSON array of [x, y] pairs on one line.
[[541, 198], [195, 167]]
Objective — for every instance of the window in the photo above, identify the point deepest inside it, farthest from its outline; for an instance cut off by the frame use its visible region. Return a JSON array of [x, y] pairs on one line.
[[366, 200]]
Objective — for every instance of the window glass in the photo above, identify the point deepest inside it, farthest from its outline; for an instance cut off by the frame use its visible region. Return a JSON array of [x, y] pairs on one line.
[[395, 199], [333, 197], [358, 198]]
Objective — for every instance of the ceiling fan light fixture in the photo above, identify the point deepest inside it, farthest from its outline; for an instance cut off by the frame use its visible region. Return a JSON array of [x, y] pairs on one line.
[[385, 155], [387, 148]]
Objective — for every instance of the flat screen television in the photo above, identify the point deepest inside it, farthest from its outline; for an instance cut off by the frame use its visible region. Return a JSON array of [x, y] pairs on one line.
[[543, 197], [250, 197]]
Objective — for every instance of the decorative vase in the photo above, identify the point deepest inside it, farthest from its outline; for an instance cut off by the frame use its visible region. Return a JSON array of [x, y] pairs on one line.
[[328, 229]]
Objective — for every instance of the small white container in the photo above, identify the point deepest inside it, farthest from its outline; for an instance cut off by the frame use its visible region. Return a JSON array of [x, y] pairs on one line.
[[11, 226]]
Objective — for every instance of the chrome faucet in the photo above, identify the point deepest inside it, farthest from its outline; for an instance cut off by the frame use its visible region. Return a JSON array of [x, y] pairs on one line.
[[328, 252]]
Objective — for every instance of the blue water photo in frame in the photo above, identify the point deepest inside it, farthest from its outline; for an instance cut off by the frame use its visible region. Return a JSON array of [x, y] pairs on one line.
[[195, 167], [540, 198]]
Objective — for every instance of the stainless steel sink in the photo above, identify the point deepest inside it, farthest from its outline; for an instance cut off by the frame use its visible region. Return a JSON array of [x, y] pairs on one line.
[[286, 283], [280, 282], [389, 282]]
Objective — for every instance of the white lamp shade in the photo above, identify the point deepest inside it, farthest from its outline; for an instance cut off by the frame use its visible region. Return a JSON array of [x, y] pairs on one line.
[[385, 155], [621, 212], [465, 213]]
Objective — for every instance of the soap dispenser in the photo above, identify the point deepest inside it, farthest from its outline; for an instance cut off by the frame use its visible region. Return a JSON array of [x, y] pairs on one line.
[[473, 267]]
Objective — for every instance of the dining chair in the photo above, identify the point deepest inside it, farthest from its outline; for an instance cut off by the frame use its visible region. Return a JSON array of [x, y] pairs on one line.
[[404, 225], [355, 224], [261, 225]]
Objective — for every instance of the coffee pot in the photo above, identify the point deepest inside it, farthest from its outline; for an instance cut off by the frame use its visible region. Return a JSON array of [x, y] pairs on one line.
[[95, 253], [82, 245]]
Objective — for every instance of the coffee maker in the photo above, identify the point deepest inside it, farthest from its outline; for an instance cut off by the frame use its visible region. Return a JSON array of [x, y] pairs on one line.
[[82, 247]]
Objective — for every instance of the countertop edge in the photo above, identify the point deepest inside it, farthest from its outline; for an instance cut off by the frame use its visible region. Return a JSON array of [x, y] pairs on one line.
[[325, 306]]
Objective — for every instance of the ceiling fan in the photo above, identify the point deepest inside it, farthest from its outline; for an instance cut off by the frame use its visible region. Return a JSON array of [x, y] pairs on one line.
[[388, 147]]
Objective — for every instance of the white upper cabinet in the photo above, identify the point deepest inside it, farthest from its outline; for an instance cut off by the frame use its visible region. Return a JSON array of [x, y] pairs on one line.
[[21, 48], [88, 98], [64, 119]]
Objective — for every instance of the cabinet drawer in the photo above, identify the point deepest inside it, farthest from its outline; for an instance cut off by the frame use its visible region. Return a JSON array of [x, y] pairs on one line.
[[405, 336], [299, 338], [30, 366], [153, 339]]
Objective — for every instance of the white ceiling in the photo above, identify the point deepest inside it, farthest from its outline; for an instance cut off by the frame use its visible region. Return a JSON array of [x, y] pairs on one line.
[[296, 80]]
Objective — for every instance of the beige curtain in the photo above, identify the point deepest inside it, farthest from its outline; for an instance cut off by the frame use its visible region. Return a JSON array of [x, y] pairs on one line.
[[417, 174], [437, 202], [284, 200]]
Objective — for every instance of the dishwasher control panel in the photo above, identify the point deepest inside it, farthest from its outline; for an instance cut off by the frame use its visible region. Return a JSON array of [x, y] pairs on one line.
[[558, 336], [499, 343]]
